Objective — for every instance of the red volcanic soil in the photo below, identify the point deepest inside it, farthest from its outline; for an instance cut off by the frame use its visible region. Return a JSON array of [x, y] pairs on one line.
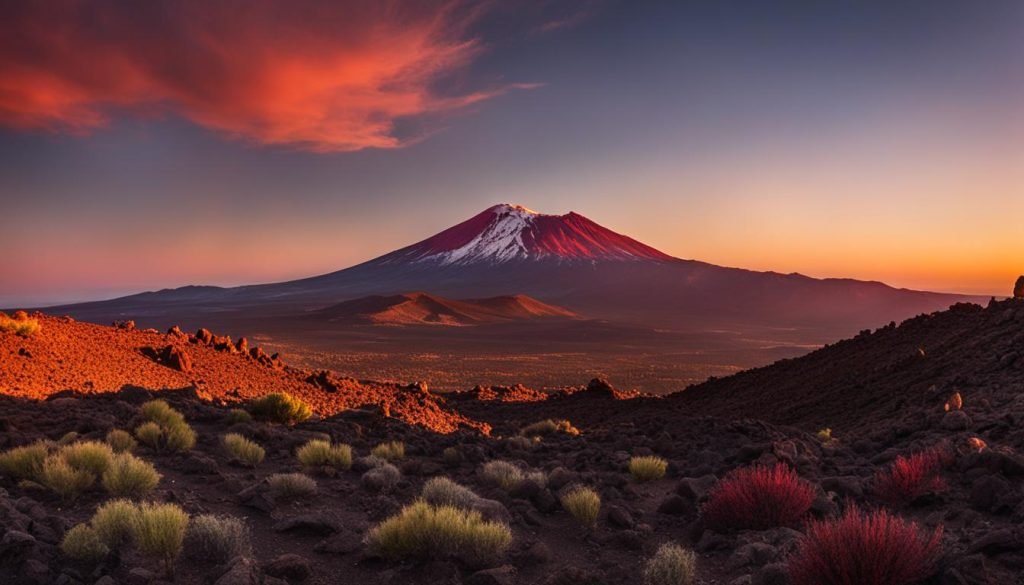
[[87, 358], [419, 308]]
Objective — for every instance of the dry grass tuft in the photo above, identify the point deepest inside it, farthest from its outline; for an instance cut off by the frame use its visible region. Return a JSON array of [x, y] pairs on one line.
[[647, 468], [290, 486], [583, 503], [319, 454], [280, 407], [422, 531], [391, 451], [243, 450], [217, 538], [130, 477], [671, 565]]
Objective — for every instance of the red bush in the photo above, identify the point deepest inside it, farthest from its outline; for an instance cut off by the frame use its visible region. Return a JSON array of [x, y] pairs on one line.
[[758, 498], [909, 478], [864, 549]]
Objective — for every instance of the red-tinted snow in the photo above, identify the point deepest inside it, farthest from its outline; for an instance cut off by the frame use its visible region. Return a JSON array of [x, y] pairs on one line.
[[511, 232]]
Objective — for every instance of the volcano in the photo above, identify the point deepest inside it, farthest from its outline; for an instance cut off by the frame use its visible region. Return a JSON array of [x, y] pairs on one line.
[[567, 261]]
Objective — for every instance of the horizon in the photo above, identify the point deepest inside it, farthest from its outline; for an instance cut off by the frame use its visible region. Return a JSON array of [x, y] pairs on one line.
[[113, 294], [173, 144]]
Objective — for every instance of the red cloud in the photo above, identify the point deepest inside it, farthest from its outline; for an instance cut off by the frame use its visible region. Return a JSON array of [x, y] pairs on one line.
[[323, 75]]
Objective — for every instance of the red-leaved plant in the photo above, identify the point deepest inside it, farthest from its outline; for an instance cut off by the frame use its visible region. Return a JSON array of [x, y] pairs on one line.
[[909, 478], [864, 548], [758, 498]]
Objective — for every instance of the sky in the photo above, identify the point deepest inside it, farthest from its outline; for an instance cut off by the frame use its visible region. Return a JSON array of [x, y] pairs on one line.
[[146, 145]]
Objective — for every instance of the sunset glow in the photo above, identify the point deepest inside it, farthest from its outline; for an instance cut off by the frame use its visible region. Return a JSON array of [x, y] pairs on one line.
[[158, 144]]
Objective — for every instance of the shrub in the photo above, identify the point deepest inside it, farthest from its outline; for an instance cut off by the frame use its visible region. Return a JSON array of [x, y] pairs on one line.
[[83, 544], [165, 428], [113, 522], [159, 531], [25, 462], [216, 538], [161, 413], [671, 565], [288, 486], [871, 548], [423, 531], [237, 416], [391, 451], [180, 438], [91, 456], [502, 474], [381, 478], [19, 325], [319, 453], [583, 503], [647, 468], [549, 427], [150, 434], [909, 478], [824, 435], [280, 407], [243, 450], [441, 491], [758, 498], [121, 441], [63, 479], [130, 477]]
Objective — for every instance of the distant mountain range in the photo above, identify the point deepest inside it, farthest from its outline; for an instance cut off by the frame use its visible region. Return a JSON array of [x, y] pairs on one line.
[[566, 261]]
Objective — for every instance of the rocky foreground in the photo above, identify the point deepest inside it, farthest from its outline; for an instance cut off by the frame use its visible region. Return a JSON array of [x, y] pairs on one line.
[[964, 404]]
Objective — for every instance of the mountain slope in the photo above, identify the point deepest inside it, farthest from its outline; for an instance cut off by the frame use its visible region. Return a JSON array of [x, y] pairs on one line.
[[565, 260], [878, 376], [506, 232], [420, 308]]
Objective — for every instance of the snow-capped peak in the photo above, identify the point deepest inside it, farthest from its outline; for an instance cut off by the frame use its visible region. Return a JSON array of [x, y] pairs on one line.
[[500, 241], [508, 232]]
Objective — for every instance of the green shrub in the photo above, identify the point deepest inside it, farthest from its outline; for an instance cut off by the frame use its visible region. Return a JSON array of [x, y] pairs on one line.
[[671, 565], [150, 434], [121, 441], [237, 416], [83, 544], [161, 413], [19, 325], [647, 468], [289, 486], [318, 453], [583, 503], [549, 427], [824, 435], [423, 531], [180, 438], [280, 407], [91, 456], [130, 477], [441, 491], [113, 522], [63, 479], [390, 451], [216, 538], [165, 428], [24, 463], [159, 531], [243, 450]]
